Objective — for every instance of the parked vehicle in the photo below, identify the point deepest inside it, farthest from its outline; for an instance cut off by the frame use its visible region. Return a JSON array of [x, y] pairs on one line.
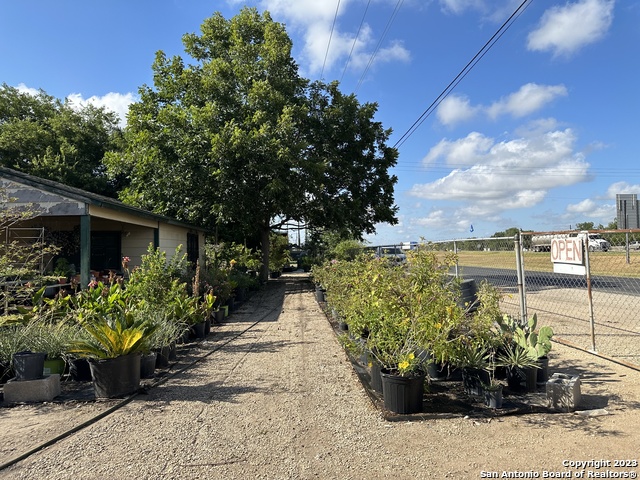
[[392, 252], [634, 245], [542, 243]]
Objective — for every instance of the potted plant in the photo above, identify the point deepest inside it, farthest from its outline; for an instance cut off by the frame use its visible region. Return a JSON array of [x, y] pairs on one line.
[[11, 342], [521, 367], [535, 342], [63, 270], [163, 340], [473, 359], [115, 339]]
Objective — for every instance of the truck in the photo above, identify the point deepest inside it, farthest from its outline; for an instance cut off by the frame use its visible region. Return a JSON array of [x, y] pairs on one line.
[[542, 243], [394, 252]]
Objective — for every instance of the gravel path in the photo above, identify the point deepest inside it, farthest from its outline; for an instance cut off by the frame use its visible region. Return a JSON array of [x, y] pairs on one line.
[[283, 402]]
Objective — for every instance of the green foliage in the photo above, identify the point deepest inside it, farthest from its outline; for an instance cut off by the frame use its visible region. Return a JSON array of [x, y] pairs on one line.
[[239, 138], [157, 280], [12, 340], [167, 329], [535, 343], [42, 136], [21, 263], [347, 250], [63, 268], [407, 313], [279, 254], [585, 226], [112, 335]]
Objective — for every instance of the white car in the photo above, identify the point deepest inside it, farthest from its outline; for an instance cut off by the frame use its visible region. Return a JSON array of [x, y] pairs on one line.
[[634, 245]]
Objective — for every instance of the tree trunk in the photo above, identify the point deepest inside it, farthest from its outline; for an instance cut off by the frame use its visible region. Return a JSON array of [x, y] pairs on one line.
[[265, 244]]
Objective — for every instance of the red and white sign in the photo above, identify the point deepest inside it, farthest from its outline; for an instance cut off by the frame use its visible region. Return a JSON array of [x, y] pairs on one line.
[[567, 250], [567, 255]]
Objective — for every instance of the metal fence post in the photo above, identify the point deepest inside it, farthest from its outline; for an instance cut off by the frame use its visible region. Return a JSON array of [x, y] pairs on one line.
[[592, 320], [455, 252], [520, 275]]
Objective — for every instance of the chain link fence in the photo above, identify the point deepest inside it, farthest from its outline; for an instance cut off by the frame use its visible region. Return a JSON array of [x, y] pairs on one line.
[[595, 308]]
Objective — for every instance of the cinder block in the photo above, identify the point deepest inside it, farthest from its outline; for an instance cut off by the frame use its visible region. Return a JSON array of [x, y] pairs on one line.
[[563, 392], [41, 390]]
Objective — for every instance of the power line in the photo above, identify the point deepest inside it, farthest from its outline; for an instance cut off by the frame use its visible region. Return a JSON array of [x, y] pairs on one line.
[[463, 73], [333, 25], [384, 34], [355, 40]]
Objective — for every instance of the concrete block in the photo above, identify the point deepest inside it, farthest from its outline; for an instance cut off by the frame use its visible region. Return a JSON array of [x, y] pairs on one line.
[[563, 392], [41, 390]]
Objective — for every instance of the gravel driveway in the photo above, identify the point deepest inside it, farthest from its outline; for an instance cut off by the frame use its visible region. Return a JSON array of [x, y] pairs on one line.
[[282, 401]]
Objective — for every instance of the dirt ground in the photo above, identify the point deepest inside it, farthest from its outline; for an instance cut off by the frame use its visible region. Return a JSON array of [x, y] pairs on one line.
[[284, 401]]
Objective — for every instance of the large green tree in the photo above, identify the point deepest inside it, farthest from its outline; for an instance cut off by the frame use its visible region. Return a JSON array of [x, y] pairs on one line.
[[238, 137], [48, 138]]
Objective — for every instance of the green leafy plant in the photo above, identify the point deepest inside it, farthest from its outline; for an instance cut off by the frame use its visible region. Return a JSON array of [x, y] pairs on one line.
[[112, 336], [536, 343], [514, 356]]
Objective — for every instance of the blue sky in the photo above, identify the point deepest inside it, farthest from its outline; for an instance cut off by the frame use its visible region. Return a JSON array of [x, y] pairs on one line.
[[540, 134]]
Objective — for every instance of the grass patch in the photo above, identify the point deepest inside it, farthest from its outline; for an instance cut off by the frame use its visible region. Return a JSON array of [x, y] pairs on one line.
[[602, 263]]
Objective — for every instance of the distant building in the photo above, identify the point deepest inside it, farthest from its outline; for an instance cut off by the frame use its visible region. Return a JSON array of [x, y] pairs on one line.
[[627, 208]]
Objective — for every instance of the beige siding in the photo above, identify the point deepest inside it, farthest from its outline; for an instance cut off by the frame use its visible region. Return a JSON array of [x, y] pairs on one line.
[[100, 212], [135, 243], [171, 236]]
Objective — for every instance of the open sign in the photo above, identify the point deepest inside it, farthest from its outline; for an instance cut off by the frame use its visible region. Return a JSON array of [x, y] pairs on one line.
[[567, 255], [567, 250]]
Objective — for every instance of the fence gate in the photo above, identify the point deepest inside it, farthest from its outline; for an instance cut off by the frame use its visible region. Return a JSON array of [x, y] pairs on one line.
[[596, 311]]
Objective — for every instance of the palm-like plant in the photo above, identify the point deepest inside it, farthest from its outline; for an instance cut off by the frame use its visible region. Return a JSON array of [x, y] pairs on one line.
[[111, 336]]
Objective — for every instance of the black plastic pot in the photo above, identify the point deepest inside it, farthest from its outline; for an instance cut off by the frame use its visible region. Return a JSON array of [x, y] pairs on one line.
[[376, 379], [198, 329], [173, 352], [522, 379], [402, 394], [473, 379], [162, 357], [79, 370], [28, 365], [148, 364], [493, 397], [116, 377], [543, 371], [219, 315]]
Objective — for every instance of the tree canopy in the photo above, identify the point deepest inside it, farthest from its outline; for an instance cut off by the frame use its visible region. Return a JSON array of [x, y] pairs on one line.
[[45, 137], [239, 137]]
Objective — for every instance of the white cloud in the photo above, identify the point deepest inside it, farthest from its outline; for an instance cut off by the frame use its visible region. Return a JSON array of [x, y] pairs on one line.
[[455, 109], [22, 88], [620, 188], [465, 151], [496, 176], [460, 6], [315, 19], [116, 102], [530, 98], [564, 30], [590, 210]]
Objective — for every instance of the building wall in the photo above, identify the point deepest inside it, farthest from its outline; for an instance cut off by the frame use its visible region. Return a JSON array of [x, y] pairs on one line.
[[170, 236], [627, 208]]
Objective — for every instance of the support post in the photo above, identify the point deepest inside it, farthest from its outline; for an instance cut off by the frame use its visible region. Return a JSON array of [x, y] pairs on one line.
[[521, 277], [85, 250]]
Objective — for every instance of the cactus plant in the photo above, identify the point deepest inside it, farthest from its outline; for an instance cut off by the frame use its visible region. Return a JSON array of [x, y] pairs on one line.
[[537, 344]]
